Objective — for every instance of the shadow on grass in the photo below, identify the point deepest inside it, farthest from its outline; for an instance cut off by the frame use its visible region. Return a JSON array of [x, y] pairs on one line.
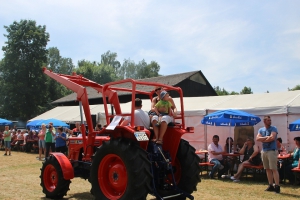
[[79, 196], [260, 179]]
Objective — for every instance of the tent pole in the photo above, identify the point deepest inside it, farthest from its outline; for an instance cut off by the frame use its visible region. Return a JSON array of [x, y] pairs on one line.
[[205, 132], [287, 132], [81, 115]]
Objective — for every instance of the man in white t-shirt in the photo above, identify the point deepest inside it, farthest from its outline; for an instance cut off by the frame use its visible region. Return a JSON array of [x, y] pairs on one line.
[[215, 157], [141, 118]]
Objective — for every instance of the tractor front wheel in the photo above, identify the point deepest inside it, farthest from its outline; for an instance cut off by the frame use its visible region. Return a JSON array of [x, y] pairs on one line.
[[52, 181], [120, 170]]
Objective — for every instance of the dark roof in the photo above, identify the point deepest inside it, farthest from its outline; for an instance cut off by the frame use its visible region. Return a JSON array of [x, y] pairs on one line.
[[172, 80]]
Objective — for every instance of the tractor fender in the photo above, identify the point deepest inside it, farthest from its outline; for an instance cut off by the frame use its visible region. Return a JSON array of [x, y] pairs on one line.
[[65, 164]]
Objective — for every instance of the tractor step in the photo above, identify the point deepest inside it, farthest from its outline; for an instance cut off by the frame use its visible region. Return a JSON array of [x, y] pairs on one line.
[[171, 196]]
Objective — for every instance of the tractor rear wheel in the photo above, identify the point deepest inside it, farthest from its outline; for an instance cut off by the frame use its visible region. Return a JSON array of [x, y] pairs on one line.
[[187, 167], [186, 170], [52, 181], [120, 170]]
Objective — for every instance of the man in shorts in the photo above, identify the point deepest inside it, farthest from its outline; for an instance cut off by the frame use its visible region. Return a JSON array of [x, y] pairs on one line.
[[7, 140], [268, 136]]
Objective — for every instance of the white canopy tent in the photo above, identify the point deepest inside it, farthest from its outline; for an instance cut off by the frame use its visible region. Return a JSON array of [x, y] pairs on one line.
[[71, 114], [283, 107]]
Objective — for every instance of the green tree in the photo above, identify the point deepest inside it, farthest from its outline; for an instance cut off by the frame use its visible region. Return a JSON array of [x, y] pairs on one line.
[[129, 69], [61, 65], [138, 71], [148, 70], [246, 90], [100, 73], [104, 74], [233, 93], [110, 59], [86, 69], [297, 87], [23, 83], [220, 91]]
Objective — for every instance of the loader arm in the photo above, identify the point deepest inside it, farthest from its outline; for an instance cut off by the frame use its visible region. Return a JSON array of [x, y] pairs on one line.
[[78, 84]]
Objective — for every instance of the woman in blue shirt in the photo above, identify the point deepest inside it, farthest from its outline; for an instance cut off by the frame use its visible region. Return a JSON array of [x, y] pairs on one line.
[[295, 163], [60, 141]]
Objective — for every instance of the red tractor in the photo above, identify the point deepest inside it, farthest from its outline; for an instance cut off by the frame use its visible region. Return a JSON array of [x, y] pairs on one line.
[[122, 162]]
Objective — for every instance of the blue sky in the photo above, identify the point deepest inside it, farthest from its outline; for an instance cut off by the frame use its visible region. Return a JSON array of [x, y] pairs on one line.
[[234, 43]]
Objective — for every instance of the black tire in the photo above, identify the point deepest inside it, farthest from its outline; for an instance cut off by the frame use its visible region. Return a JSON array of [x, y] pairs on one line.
[[120, 170], [52, 181], [186, 170], [190, 168]]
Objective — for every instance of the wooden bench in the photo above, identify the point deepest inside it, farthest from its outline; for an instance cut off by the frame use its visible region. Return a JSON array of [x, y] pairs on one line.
[[255, 169], [35, 148], [296, 171], [204, 166]]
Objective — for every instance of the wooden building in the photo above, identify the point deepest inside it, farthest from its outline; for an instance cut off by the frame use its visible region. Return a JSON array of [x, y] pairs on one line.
[[193, 84]]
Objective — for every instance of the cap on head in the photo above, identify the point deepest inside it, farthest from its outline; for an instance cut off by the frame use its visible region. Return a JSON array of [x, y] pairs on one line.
[[163, 94]]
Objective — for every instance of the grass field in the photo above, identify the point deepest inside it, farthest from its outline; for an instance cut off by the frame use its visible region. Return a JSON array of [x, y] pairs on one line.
[[19, 175]]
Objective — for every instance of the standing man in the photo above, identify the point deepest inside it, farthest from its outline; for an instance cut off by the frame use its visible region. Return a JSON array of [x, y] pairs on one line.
[[141, 118], [268, 135], [215, 157], [7, 140]]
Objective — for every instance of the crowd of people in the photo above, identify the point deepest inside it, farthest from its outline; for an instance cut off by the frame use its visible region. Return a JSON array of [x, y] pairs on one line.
[[47, 139], [276, 169]]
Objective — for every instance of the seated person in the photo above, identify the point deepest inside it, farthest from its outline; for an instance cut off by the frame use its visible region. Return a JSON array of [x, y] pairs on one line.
[[1, 139], [295, 163], [163, 106], [251, 156], [215, 157], [98, 127], [20, 136], [141, 118], [155, 100], [14, 137], [229, 148], [159, 131], [281, 150], [280, 147], [29, 140], [76, 131]]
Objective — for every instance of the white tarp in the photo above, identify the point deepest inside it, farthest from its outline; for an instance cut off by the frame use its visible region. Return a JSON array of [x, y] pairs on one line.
[[283, 107]]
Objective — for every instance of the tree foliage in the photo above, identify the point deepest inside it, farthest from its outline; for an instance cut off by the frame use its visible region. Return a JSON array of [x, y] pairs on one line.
[[23, 86], [222, 91], [138, 71], [297, 87], [61, 65], [246, 90], [110, 69]]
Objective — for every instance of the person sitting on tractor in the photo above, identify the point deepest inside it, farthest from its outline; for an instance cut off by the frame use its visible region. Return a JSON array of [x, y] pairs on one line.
[[141, 118], [76, 131], [160, 130], [163, 107]]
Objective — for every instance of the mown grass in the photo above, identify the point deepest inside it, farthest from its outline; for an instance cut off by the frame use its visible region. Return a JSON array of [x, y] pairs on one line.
[[19, 175]]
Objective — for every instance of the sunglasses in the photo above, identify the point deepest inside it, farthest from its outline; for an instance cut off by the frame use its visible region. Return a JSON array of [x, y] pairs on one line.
[[157, 89]]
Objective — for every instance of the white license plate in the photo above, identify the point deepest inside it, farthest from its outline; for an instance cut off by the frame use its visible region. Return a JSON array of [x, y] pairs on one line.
[[141, 136]]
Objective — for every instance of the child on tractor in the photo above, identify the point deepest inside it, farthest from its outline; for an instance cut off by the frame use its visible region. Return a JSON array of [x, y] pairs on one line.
[[163, 106]]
